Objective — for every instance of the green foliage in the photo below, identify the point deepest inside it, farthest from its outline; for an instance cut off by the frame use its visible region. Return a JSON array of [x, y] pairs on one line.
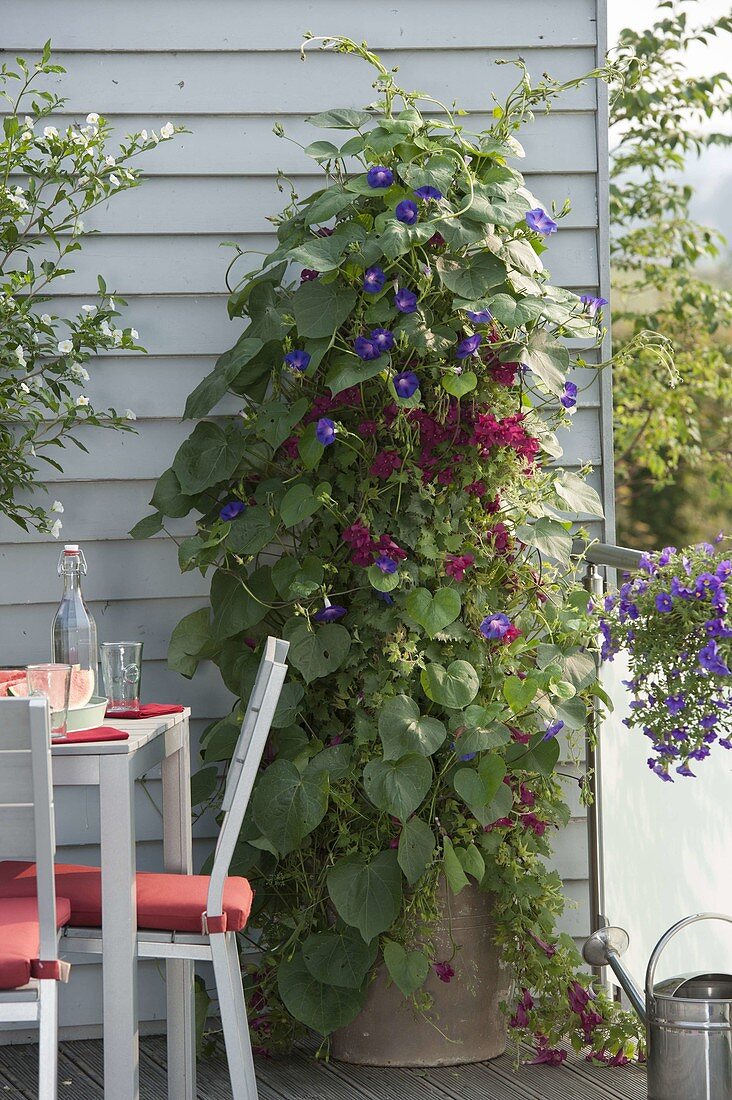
[[49, 182], [377, 532]]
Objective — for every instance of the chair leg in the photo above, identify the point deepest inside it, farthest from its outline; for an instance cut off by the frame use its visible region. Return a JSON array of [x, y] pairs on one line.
[[227, 973], [47, 1040]]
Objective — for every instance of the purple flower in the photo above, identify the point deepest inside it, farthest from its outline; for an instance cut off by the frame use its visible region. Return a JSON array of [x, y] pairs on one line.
[[724, 570], [479, 317], [385, 598], [684, 769], [711, 660], [330, 613], [231, 510], [298, 360], [709, 721], [645, 562], [706, 583], [325, 431], [666, 554], [569, 400], [495, 626], [716, 628], [406, 383], [444, 971], [540, 222], [366, 349], [383, 339], [680, 590], [405, 300], [552, 731], [675, 703], [406, 212], [385, 564], [468, 346], [592, 304], [428, 193], [378, 176], [664, 602], [373, 280]]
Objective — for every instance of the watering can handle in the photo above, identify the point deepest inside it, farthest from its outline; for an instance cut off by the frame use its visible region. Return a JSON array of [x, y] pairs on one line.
[[667, 936]]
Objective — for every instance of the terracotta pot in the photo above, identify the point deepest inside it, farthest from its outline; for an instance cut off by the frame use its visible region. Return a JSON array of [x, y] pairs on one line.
[[465, 1023]]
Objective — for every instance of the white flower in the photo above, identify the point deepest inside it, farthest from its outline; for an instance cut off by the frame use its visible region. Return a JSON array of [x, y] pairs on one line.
[[110, 162], [79, 372], [27, 135], [88, 309], [143, 135], [154, 137], [24, 388], [134, 334], [65, 347], [129, 415], [105, 329], [45, 318], [77, 138], [20, 355], [117, 336], [92, 118], [167, 130], [82, 401], [50, 132], [82, 181], [57, 506], [114, 180], [28, 121], [111, 303], [56, 528], [78, 227]]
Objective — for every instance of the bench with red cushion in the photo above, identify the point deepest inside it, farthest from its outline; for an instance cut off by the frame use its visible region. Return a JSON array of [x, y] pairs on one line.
[[19, 937], [165, 902]]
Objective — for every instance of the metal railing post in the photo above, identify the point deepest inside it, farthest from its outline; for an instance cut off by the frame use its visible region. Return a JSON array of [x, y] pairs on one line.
[[594, 583]]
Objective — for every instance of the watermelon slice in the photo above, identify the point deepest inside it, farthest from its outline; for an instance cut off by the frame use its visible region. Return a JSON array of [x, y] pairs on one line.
[[82, 687], [13, 682]]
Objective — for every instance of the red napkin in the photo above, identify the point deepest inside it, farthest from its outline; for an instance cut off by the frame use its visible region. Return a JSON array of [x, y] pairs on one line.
[[148, 710], [101, 733]]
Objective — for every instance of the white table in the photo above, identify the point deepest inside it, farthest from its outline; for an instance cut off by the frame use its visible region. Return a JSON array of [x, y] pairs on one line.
[[113, 767]]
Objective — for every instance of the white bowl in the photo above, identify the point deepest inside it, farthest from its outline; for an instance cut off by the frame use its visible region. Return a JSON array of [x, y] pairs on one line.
[[87, 717]]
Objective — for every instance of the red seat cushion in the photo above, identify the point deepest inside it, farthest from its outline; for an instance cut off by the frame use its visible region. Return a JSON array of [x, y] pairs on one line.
[[165, 902], [19, 937]]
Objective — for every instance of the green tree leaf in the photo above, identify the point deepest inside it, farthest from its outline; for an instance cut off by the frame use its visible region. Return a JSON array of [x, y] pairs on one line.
[[287, 806], [322, 1007], [433, 612], [402, 730], [452, 687], [349, 370], [367, 894], [478, 787], [298, 504], [407, 969], [237, 608], [519, 693], [276, 419], [147, 526], [398, 786], [326, 253], [339, 957], [416, 847], [340, 118], [316, 653]]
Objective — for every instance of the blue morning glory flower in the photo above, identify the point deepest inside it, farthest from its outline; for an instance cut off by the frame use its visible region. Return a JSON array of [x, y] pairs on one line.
[[592, 304], [540, 222], [664, 602], [569, 399], [366, 349], [480, 316], [406, 212], [495, 626], [373, 280], [383, 339], [385, 598], [298, 360], [552, 731], [405, 300], [426, 193], [385, 564], [406, 383], [468, 346], [231, 510], [330, 613], [325, 431], [379, 176]]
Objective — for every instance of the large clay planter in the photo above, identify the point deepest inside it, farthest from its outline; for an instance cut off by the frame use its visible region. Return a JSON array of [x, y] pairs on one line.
[[465, 1023]]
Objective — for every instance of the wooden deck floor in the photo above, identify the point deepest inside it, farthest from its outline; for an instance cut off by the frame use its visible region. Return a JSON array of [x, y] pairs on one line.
[[299, 1077]]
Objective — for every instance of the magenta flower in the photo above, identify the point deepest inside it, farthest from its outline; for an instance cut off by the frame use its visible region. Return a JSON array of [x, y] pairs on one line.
[[366, 349], [521, 1016], [406, 212], [385, 564], [307, 275], [405, 300], [578, 997], [428, 193], [330, 613], [384, 464], [406, 383], [444, 971], [383, 338], [379, 176], [495, 626], [231, 510], [298, 360], [468, 346], [456, 564], [540, 222], [325, 431], [373, 280]]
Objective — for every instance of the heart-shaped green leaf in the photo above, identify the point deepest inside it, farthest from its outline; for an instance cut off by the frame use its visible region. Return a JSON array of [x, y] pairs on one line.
[[287, 805], [339, 957], [316, 653], [452, 687], [454, 873], [320, 1006], [298, 504], [367, 895], [436, 612], [479, 786], [460, 384], [519, 693], [251, 531], [402, 730], [398, 786], [416, 846], [408, 969]]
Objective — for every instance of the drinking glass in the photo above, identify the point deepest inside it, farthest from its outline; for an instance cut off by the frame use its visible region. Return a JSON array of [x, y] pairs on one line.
[[53, 682], [121, 672]]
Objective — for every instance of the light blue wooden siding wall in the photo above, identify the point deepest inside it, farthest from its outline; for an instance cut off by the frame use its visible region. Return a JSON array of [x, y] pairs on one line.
[[228, 71]]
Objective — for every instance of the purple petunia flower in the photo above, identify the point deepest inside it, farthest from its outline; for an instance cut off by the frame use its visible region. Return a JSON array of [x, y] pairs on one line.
[[569, 400], [666, 554], [711, 660], [426, 193], [684, 769], [664, 602], [329, 613], [385, 564], [540, 222], [675, 703], [480, 316], [366, 349], [645, 562], [325, 431], [379, 176], [724, 570], [298, 360], [680, 590], [406, 383], [495, 626], [231, 510], [383, 339], [405, 300], [468, 346], [592, 304], [552, 731], [373, 280], [406, 212], [716, 628]]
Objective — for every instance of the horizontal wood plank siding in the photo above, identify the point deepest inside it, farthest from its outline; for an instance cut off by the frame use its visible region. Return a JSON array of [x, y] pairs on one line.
[[227, 72]]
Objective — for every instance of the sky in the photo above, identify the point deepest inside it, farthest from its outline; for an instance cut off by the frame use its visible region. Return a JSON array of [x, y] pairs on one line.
[[711, 175]]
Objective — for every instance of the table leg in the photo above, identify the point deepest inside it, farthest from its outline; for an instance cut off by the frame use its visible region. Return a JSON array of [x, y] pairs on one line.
[[178, 855], [119, 929]]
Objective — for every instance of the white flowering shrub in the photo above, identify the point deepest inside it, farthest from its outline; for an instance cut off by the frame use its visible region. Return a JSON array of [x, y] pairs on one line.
[[50, 178]]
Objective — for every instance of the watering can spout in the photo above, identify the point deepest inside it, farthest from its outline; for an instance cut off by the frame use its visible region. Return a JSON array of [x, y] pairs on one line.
[[604, 948]]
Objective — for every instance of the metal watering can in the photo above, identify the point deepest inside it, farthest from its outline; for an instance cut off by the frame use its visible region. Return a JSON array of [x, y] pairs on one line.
[[688, 1018]]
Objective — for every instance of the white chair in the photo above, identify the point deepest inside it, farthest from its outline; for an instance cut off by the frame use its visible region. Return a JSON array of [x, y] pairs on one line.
[[29, 964], [193, 917]]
